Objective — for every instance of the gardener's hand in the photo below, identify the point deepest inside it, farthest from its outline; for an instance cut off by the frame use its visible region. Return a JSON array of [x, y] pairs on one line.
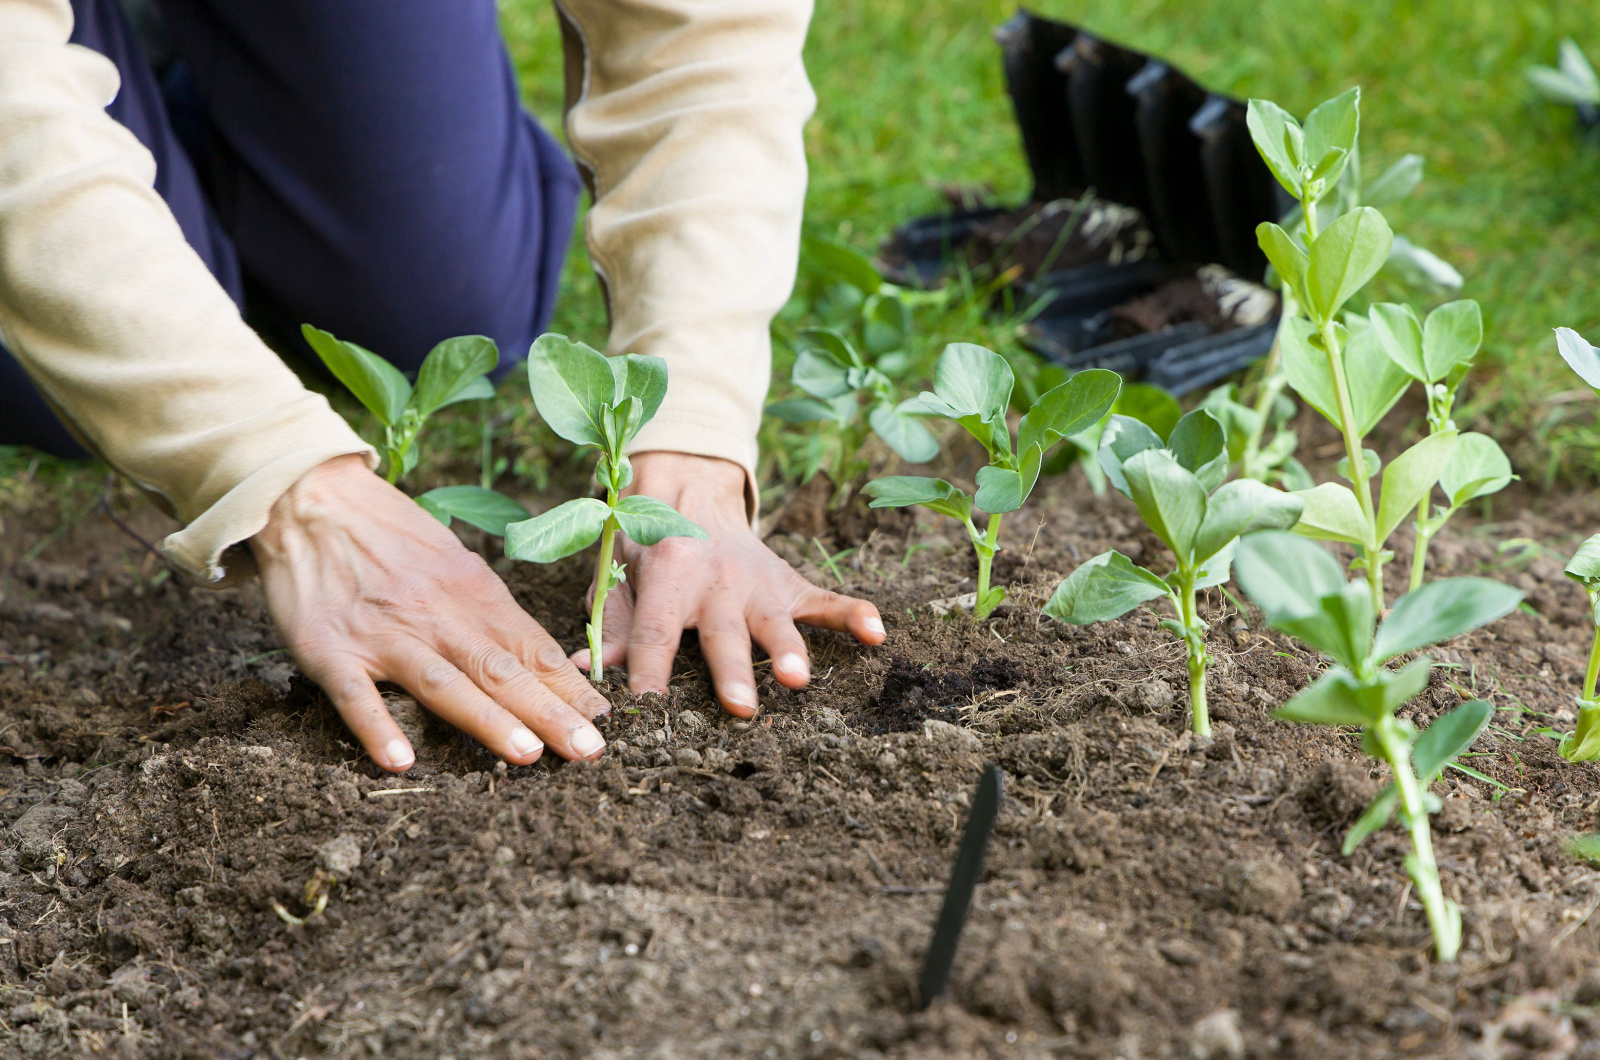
[[365, 586], [730, 587]]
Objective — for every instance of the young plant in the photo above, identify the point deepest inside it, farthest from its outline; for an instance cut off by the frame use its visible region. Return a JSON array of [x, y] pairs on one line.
[[1177, 484], [598, 402], [858, 302], [1337, 364], [1572, 81], [972, 386], [836, 378], [1245, 427], [1150, 405], [1438, 354], [1303, 592], [1583, 743], [456, 370]]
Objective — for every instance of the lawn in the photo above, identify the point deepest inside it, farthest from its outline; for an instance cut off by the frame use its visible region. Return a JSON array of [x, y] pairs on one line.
[[910, 97]]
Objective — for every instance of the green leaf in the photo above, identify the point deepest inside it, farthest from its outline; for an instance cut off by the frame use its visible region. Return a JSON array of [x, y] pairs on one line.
[[643, 377], [1477, 468], [449, 368], [1278, 138], [1409, 478], [1119, 442], [821, 364], [1396, 688], [885, 324], [1106, 587], [1341, 626], [1068, 409], [1451, 336], [903, 433], [1169, 497], [1369, 459], [1448, 737], [559, 532], [1331, 130], [1285, 254], [647, 520], [1584, 566], [375, 382], [1243, 506], [972, 385], [801, 410], [484, 509], [1421, 267], [1582, 744], [844, 262], [1333, 699], [1394, 183], [479, 389], [1284, 575], [1377, 814], [1197, 440], [572, 386], [1215, 569], [1150, 405], [1306, 366], [1331, 512], [901, 491], [1441, 610], [1579, 355], [1001, 489], [1399, 334], [1347, 254]]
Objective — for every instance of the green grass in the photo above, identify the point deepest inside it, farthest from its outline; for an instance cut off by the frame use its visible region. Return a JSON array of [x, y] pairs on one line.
[[910, 97]]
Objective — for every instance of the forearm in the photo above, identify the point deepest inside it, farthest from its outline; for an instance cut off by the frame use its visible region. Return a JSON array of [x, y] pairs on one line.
[[690, 126]]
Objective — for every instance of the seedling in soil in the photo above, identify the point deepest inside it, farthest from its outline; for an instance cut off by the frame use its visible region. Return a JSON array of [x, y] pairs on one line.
[[1583, 743], [314, 896], [972, 385], [1338, 365], [837, 379], [1177, 484], [597, 402], [1303, 592], [964, 877], [1438, 354], [1150, 405], [454, 371]]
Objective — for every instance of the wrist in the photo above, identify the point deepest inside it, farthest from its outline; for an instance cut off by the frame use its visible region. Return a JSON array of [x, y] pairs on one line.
[[706, 487], [328, 485]]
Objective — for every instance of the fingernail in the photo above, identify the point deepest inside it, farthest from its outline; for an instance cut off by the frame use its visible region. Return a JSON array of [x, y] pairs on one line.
[[791, 664], [873, 625], [524, 743], [740, 695], [399, 754], [587, 742]]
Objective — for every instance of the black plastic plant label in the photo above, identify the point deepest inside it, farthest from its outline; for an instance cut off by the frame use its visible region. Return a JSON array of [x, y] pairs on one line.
[[964, 876]]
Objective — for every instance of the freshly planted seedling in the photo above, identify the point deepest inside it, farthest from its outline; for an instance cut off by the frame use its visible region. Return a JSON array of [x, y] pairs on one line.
[[1333, 361], [972, 385], [597, 402], [1438, 354], [1177, 484], [840, 386], [1583, 743], [454, 371], [1303, 592]]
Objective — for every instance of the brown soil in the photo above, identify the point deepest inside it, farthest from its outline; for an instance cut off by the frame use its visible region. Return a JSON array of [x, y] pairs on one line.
[[718, 888], [1174, 302], [1030, 238]]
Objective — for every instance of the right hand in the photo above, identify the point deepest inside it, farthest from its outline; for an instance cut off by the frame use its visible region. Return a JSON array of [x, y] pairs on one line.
[[365, 586]]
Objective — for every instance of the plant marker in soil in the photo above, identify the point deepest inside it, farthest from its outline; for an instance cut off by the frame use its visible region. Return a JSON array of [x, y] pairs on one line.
[[964, 876]]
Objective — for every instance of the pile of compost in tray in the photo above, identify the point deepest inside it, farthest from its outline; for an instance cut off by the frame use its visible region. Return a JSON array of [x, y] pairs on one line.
[[724, 888]]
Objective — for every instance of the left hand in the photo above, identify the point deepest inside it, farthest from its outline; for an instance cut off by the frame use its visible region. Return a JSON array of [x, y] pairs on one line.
[[730, 587]]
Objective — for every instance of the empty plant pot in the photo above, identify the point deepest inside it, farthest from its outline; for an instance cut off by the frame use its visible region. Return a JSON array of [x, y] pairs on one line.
[[1097, 74], [1028, 48], [1180, 206]]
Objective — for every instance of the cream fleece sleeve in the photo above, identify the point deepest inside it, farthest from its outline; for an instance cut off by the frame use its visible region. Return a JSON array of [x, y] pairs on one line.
[[118, 321], [688, 120]]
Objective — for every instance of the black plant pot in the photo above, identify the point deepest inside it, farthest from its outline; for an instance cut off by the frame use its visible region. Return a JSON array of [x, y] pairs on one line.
[[1180, 203], [1028, 49], [1103, 118]]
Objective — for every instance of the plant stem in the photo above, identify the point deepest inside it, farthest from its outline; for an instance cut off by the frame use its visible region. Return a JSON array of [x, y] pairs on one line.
[[1199, 660], [1358, 464], [1421, 865], [986, 551], [1593, 671], [602, 586], [1419, 558]]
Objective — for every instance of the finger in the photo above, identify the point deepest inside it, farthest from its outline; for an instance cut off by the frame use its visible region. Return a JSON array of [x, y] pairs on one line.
[[553, 718], [543, 658], [774, 630], [452, 695], [614, 629], [819, 607], [725, 642], [654, 633], [356, 699]]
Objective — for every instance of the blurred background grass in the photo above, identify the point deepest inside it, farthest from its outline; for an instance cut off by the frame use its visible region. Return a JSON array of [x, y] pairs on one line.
[[911, 98]]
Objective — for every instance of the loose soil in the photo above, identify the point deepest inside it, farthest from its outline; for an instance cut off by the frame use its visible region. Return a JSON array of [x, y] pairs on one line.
[[1034, 239], [721, 888]]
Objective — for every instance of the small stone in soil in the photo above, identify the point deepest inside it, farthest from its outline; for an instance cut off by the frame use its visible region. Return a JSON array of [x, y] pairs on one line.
[[1260, 887], [1217, 1037], [340, 855]]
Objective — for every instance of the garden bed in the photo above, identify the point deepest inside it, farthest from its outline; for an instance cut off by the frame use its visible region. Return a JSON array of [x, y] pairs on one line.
[[720, 888]]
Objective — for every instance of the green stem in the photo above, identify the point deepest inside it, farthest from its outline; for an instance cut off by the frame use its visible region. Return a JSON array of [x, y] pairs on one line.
[[1593, 671], [1199, 660], [1419, 558], [602, 587], [1358, 464], [1421, 865], [991, 545]]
